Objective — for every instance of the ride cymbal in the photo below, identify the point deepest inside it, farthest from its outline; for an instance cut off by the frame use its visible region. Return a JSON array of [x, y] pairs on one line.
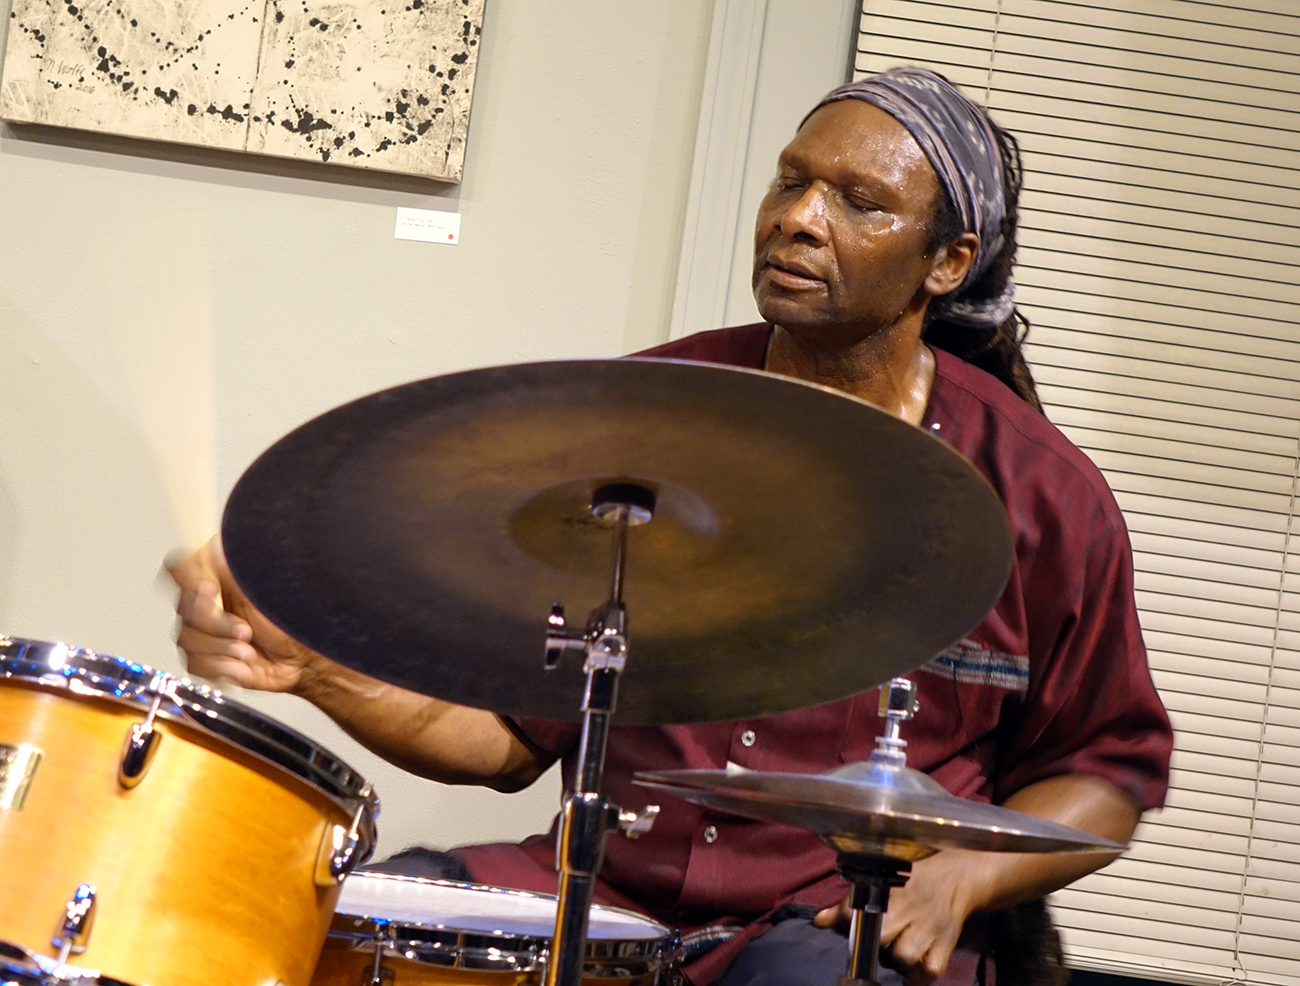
[[805, 545]]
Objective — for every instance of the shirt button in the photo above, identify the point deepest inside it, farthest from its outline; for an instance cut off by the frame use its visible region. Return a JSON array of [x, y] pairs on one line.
[[748, 737], [711, 834]]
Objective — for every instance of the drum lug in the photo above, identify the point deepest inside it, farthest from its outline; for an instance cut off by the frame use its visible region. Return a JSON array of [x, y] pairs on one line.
[[340, 848], [141, 746], [78, 921], [143, 739]]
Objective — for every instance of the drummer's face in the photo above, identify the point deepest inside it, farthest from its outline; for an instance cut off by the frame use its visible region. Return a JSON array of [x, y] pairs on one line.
[[841, 241]]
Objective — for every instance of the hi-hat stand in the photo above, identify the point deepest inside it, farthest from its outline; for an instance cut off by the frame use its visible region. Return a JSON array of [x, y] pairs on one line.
[[588, 816]]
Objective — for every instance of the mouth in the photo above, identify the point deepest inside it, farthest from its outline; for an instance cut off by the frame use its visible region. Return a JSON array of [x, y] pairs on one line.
[[791, 274]]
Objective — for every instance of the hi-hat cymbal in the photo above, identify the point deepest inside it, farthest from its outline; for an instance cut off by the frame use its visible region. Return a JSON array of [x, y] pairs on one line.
[[805, 545], [870, 808]]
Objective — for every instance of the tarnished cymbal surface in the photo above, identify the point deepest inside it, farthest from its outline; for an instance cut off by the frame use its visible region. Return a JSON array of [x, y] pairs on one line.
[[805, 545], [867, 808]]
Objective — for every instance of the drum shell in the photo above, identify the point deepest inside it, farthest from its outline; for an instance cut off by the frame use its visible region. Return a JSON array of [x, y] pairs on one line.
[[461, 934], [342, 964], [204, 871]]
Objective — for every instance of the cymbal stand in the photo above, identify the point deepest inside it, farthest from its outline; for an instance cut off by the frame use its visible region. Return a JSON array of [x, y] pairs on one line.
[[872, 877], [873, 873], [588, 817]]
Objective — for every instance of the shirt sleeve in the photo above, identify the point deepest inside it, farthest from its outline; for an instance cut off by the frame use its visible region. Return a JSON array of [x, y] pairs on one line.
[[1091, 707]]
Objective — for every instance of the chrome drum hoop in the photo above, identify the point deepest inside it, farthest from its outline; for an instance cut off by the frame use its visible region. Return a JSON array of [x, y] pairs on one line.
[[58, 666], [501, 949], [19, 967]]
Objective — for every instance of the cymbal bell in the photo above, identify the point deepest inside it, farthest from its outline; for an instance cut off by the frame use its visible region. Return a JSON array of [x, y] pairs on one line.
[[804, 546], [874, 809]]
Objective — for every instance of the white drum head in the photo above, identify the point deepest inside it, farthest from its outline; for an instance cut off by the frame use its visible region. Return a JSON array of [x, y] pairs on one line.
[[446, 906]]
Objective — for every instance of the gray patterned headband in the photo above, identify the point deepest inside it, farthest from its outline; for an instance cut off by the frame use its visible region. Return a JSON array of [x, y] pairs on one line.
[[959, 142]]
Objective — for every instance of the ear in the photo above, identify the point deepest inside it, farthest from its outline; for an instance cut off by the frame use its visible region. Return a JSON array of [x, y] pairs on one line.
[[950, 263]]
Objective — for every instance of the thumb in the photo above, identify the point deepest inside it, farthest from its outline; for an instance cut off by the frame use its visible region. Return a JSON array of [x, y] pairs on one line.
[[828, 917]]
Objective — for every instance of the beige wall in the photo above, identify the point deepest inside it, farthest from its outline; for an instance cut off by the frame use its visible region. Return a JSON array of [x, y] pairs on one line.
[[166, 313]]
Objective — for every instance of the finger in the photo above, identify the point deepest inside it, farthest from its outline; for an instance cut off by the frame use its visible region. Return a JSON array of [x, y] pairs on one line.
[[935, 964], [908, 948], [215, 555], [827, 917], [187, 567], [198, 644], [930, 968], [200, 606], [891, 927], [922, 953], [223, 669]]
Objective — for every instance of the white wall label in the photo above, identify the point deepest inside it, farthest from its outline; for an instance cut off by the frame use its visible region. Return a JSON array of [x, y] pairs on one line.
[[427, 225]]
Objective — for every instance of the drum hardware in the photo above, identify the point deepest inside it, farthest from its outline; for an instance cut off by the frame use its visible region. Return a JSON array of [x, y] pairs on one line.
[[870, 878], [378, 975], [588, 816], [340, 847], [872, 875], [18, 765], [91, 674], [897, 704], [419, 931], [78, 922], [19, 967], [142, 740], [879, 816], [635, 824], [236, 810], [477, 491]]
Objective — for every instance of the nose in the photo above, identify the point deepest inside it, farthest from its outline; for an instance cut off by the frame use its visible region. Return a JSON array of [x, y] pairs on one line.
[[805, 218]]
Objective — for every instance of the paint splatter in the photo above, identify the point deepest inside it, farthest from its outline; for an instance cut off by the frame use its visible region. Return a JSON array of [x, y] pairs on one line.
[[339, 81]]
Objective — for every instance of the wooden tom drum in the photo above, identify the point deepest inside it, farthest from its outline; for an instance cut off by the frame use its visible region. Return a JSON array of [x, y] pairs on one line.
[[400, 931], [205, 840]]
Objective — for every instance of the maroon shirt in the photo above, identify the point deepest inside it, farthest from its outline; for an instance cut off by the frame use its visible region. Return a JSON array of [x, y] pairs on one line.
[[1054, 681]]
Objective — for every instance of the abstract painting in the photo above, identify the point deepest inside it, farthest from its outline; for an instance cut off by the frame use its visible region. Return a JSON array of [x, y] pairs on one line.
[[382, 84]]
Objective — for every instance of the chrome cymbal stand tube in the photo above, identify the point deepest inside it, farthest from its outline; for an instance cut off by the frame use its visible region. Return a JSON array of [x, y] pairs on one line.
[[872, 877], [874, 874], [588, 817]]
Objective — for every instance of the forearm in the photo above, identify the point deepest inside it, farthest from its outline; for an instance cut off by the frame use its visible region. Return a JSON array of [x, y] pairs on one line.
[[223, 635], [1092, 804], [450, 743]]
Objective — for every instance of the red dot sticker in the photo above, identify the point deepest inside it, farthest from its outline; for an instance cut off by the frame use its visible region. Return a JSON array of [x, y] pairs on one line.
[[428, 225]]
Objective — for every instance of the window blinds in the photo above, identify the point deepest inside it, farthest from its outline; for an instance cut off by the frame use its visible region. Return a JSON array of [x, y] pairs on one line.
[[1160, 265]]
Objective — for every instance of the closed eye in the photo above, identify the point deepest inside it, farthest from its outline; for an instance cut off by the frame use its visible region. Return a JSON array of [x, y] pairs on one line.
[[862, 203]]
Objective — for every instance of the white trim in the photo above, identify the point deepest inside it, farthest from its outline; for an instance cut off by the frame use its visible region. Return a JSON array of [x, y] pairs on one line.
[[721, 144], [769, 63]]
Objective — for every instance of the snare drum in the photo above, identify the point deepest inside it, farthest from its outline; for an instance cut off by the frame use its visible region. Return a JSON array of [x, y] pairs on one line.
[[404, 930], [205, 841]]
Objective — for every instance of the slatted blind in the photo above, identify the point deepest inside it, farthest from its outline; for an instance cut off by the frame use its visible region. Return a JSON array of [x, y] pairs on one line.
[[1160, 265]]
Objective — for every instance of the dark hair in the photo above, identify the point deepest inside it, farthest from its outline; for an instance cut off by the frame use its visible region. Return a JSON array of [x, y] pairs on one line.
[[997, 352]]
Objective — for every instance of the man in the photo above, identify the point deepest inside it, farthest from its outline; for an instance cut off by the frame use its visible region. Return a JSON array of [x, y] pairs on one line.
[[883, 248]]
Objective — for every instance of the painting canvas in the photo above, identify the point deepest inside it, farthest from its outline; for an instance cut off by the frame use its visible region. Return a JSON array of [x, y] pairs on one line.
[[380, 84]]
